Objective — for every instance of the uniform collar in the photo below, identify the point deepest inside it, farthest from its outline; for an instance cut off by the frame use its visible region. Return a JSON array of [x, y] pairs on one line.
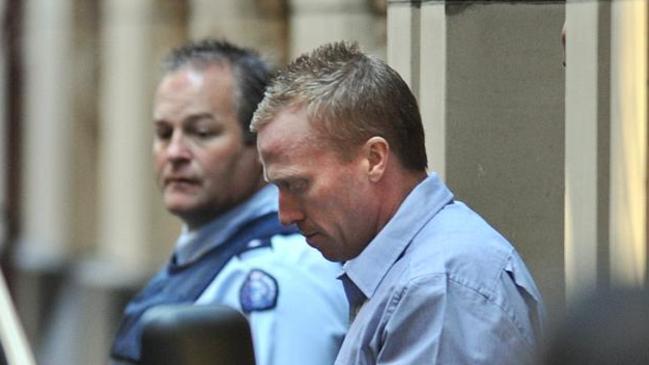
[[191, 245], [367, 270]]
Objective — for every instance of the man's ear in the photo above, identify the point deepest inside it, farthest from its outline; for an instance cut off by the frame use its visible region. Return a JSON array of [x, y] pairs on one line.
[[377, 153]]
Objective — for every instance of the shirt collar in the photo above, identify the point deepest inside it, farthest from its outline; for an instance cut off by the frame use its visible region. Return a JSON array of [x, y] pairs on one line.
[[191, 245], [367, 270]]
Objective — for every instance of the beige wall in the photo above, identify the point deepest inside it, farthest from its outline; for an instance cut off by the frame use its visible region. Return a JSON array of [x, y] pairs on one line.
[[504, 127], [490, 84]]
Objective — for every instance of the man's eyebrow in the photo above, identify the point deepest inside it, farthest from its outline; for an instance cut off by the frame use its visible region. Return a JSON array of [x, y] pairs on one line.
[[193, 118], [281, 178]]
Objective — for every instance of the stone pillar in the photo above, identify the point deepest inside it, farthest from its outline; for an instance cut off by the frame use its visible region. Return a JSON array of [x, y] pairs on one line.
[[315, 22], [417, 50], [47, 163], [432, 85], [587, 137], [125, 171], [628, 174], [252, 23], [403, 41], [489, 82], [606, 145]]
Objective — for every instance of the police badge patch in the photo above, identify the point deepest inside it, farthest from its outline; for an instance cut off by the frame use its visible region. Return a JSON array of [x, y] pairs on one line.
[[259, 292]]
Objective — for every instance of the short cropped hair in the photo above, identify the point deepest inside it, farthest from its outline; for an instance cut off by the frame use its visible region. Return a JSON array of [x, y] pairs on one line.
[[349, 98], [251, 73]]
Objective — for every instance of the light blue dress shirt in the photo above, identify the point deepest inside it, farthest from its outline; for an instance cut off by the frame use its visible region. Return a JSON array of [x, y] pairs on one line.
[[309, 321], [438, 285]]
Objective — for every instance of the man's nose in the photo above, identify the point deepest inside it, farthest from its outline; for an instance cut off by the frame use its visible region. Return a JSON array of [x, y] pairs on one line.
[[177, 149], [289, 209]]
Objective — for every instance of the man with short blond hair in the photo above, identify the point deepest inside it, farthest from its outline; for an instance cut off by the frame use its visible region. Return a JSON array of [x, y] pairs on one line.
[[428, 281]]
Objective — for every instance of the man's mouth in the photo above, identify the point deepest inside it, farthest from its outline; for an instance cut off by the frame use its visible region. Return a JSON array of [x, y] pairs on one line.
[[310, 237], [180, 181], [305, 231]]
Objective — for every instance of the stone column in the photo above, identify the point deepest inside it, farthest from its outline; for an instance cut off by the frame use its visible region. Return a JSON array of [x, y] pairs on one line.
[[587, 119], [125, 171], [315, 22], [628, 174], [403, 43], [606, 145], [47, 162], [417, 50], [432, 85]]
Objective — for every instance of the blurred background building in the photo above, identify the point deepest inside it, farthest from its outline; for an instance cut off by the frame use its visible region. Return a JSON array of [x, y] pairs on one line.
[[555, 157]]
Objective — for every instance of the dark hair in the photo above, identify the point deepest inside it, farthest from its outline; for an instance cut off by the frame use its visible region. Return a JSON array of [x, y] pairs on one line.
[[251, 73], [350, 97]]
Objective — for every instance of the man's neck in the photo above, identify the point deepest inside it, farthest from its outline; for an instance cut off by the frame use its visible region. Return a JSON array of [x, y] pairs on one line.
[[397, 187], [196, 221]]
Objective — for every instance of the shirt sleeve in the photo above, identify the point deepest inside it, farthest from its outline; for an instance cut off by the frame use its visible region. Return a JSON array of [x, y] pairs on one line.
[[436, 320], [309, 320]]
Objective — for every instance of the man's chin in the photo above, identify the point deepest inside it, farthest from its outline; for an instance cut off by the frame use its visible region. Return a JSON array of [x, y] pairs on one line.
[[191, 212], [181, 207], [330, 257], [316, 241]]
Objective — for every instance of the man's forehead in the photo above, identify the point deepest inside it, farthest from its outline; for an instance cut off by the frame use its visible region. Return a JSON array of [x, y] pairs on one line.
[[181, 78], [196, 77], [277, 145], [275, 157], [287, 131]]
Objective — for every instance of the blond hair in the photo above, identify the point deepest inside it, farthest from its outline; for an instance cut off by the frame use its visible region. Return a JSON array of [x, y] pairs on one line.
[[349, 97]]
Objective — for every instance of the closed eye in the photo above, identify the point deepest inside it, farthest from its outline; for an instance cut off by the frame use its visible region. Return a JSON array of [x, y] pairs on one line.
[[205, 132], [163, 131], [203, 126], [292, 185], [297, 186]]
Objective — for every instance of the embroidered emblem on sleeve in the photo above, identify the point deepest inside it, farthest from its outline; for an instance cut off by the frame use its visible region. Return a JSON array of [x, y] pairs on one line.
[[259, 292]]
